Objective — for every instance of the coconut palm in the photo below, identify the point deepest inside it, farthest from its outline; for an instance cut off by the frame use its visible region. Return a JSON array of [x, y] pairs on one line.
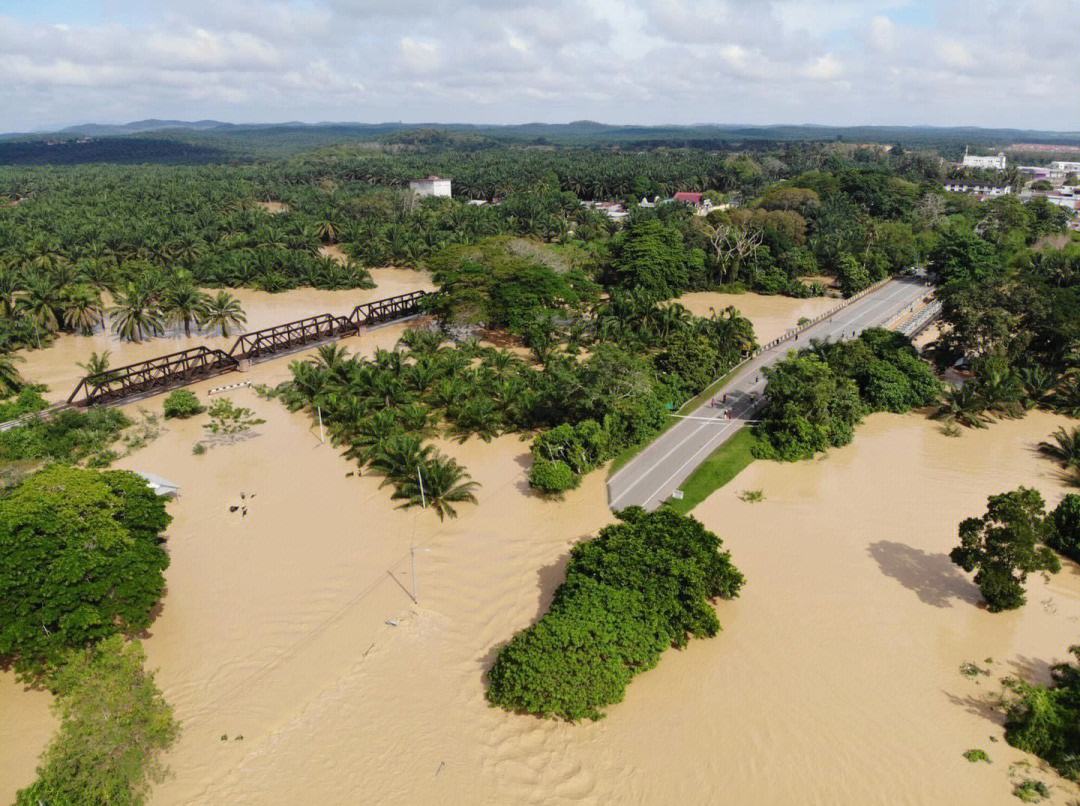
[[438, 483], [10, 379], [135, 314], [223, 311], [186, 305], [1065, 447]]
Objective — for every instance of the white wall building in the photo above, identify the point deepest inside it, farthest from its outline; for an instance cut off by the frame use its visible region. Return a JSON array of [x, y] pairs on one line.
[[979, 190], [431, 186], [993, 163], [1065, 167]]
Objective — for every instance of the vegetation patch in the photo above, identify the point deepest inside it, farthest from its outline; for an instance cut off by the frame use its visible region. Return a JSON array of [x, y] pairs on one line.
[[114, 729], [641, 586], [1045, 720], [81, 559], [722, 465], [816, 397], [975, 755], [1005, 545]]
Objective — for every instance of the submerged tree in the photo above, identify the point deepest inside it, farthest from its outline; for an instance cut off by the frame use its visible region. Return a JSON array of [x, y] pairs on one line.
[[114, 727], [222, 312], [1003, 547]]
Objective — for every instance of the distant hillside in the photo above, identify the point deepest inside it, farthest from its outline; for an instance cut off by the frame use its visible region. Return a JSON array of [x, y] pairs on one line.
[[139, 127], [118, 150], [216, 141]]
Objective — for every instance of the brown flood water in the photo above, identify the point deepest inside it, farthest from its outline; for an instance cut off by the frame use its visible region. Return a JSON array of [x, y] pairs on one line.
[[57, 365], [836, 679], [771, 315]]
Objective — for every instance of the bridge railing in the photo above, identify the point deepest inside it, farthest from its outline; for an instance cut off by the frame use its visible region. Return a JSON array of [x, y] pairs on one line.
[[197, 363], [153, 375], [279, 338]]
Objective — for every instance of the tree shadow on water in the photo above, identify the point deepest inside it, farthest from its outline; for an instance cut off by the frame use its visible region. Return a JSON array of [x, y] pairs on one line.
[[933, 577]]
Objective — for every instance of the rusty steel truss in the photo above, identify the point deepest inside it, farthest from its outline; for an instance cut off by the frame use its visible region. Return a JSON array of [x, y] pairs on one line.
[[155, 375], [188, 366], [291, 335]]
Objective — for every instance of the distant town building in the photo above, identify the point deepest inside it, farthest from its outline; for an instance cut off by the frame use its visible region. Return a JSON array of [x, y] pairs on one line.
[[1065, 167], [994, 163], [689, 198], [613, 210], [431, 186], [982, 191]]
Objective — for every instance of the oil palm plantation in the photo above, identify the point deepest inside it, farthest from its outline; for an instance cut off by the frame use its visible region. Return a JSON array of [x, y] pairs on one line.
[[223, 311]]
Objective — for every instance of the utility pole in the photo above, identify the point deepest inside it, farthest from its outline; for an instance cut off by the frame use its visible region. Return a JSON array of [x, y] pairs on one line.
[[322, 433]]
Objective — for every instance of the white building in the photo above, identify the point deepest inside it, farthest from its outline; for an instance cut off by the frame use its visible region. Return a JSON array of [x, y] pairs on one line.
[[431, 186], [994, 163], [1067, 167], [983, 191]]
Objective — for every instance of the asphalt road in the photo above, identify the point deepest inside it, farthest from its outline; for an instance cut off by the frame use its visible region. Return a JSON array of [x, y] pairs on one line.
[[653, 475]]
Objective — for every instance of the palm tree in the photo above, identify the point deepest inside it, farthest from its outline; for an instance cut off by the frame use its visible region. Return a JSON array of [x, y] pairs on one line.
[[330, 357], [39, 303], [186, 305], [223, 311], [964, 406], [96, 364], [10, 379], [399, 455], [1065, 448], [82, 309], [438, 483], [135, 315]]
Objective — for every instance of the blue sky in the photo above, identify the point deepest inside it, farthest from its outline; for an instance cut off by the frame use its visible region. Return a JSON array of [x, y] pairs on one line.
[[949, 62]]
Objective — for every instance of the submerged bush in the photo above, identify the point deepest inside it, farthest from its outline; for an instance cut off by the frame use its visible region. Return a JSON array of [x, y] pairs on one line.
[[641, 586], [1045, 720], [552, 477], [181, 404]]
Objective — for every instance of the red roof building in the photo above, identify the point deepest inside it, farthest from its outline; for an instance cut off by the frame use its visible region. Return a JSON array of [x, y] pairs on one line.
[[688, 198]]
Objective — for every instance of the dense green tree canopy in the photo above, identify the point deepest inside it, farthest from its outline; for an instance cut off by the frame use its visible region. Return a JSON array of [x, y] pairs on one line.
[[642, 585], [80, 559]]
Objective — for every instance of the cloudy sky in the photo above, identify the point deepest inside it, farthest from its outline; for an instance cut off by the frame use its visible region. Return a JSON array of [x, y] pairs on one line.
[[943, 62]]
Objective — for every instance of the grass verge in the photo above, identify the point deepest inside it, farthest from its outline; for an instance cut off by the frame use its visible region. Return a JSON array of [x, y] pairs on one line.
[[629, 453], [723, 464]]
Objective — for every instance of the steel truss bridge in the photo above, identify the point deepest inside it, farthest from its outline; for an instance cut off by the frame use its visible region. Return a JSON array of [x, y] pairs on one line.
[[198, 363]]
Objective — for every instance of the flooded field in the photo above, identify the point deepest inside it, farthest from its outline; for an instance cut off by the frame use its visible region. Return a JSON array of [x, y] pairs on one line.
[[291, 631], [771, 315], [57, 366]]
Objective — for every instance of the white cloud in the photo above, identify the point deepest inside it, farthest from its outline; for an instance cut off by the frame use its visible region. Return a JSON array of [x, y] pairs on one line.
[[644, 61], [824, 68]]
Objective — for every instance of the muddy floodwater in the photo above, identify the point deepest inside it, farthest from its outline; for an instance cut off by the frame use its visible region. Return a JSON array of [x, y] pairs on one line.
[[772, 315], [303, 672], [58, 365]]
